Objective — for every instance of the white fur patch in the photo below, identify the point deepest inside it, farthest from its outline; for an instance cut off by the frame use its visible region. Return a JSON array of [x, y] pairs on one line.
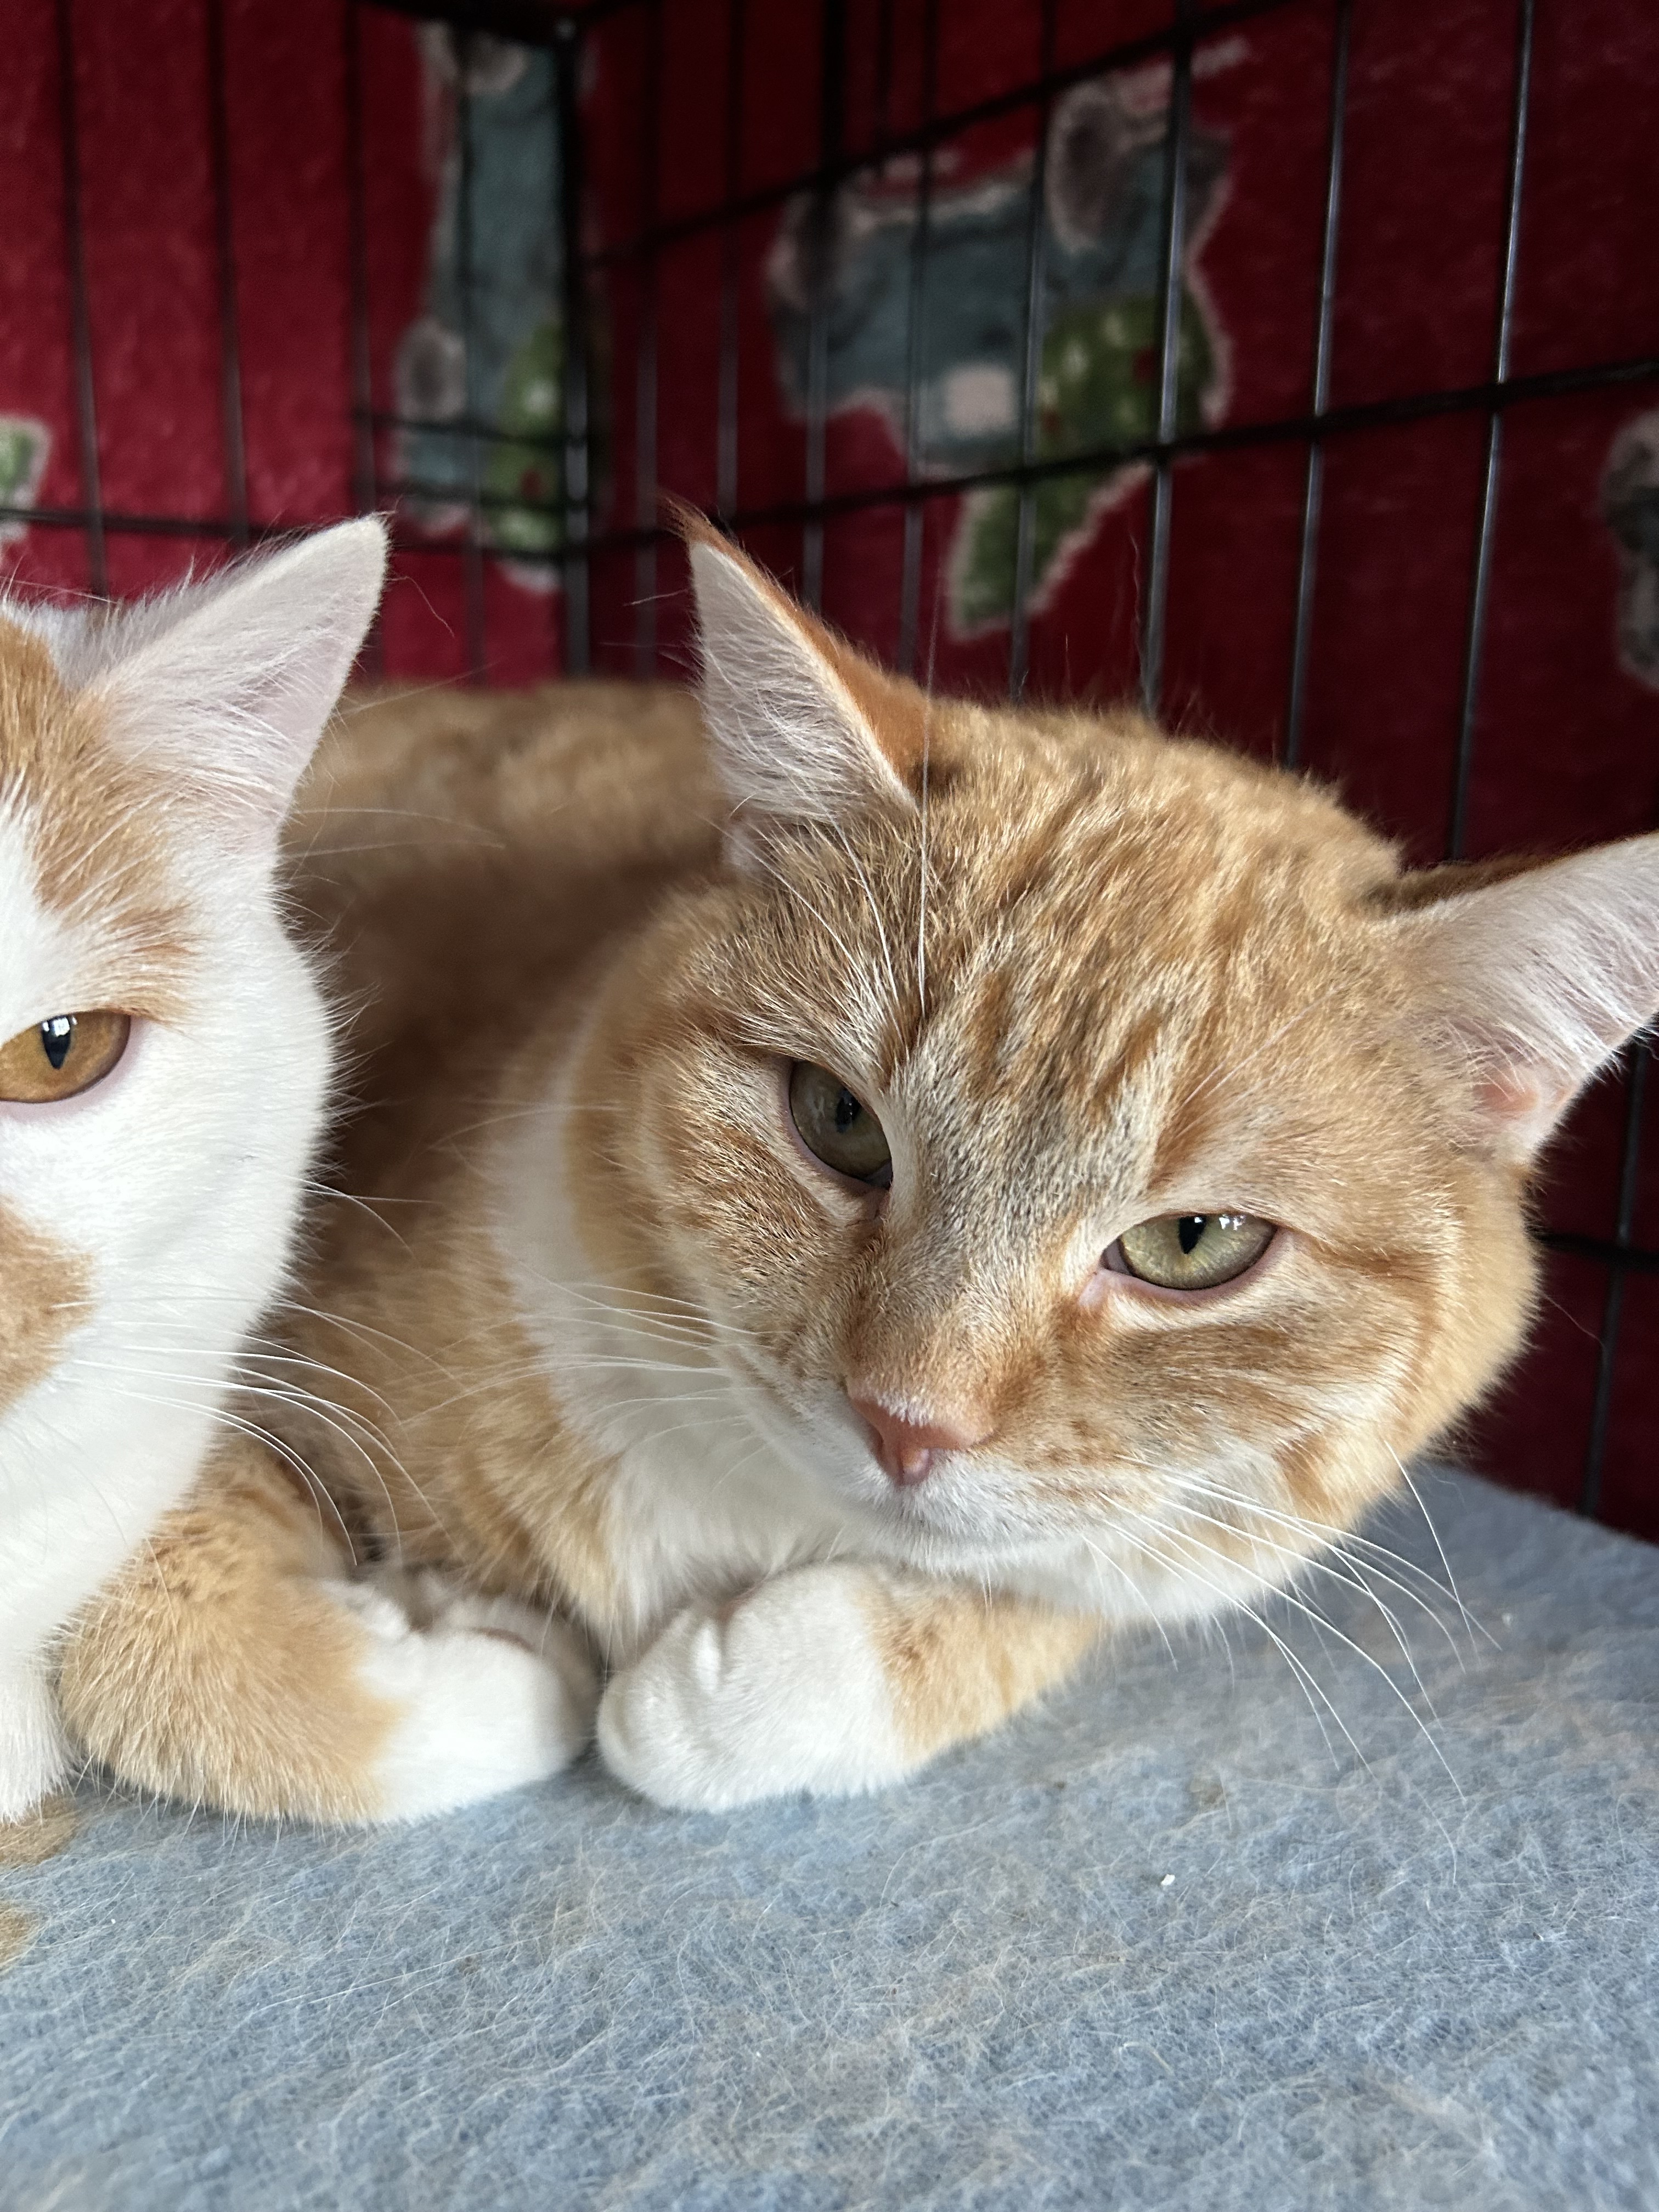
[[33, 1756], [492, 1696], [699, 1501], [175, 1182], [785, 1693]]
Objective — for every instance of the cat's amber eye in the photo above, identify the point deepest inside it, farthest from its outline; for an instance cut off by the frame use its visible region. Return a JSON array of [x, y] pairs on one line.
[[837, 1128], [1191, 1251], [63, 1055]]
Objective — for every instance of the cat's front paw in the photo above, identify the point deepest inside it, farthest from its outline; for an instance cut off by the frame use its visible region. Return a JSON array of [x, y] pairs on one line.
[[489, 1695], [785, 1691], [33, 1756]]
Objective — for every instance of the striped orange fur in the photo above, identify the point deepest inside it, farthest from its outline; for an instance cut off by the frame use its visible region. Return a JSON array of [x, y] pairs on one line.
[[827, 1474]]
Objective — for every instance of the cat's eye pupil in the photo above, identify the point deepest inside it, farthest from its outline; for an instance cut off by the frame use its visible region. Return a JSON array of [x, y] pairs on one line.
[[62, 1056], [837, 1128], [1191, 1251]]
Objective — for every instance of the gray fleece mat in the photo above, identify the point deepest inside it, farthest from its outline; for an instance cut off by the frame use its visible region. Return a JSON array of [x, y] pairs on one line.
[[1221, 1926]]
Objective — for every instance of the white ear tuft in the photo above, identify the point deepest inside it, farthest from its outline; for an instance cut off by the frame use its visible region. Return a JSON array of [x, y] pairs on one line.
[[1540, 978], [232, 681], [790, 739]]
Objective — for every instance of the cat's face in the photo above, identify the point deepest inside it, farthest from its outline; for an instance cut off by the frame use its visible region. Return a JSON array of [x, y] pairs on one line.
[[1106, 1157], [163, 1049]]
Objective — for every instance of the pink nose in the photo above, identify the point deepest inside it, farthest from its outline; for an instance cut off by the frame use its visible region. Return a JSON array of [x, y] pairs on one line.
[[906, 1447]]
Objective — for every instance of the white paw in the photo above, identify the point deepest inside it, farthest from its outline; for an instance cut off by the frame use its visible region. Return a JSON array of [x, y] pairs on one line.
[[34, 1755], [491, 1694], [784, 1693]]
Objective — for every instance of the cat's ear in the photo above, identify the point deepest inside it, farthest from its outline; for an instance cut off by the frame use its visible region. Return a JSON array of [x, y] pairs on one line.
[[805, 728], [1537, 978], [229, 683]]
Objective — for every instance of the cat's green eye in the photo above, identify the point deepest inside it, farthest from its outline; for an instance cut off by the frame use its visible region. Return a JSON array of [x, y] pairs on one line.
[[838, 1127], [63, 1055], [1192, 1251]]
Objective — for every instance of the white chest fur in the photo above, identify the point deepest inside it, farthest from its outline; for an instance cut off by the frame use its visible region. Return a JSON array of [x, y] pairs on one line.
[[702, 1504]]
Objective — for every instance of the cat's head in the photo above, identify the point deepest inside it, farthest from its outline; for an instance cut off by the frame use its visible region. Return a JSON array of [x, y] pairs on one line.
[[163, 1048], [1083, 1138]]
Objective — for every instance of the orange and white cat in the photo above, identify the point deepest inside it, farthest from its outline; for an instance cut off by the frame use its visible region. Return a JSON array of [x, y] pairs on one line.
[[863, 1193], [163, 1057]]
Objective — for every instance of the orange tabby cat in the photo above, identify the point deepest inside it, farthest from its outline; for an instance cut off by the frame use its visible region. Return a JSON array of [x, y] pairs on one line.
[[862, 1194]]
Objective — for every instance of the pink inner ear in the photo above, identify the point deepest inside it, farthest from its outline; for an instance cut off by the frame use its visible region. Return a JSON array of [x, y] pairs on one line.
[[1509, 1098], [1529, 1103]]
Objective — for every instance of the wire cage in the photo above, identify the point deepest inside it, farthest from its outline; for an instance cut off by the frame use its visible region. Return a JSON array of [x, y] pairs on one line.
[[1292, 365]]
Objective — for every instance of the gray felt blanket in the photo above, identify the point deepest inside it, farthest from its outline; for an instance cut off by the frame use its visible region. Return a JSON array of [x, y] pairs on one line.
[[1234, 1923]]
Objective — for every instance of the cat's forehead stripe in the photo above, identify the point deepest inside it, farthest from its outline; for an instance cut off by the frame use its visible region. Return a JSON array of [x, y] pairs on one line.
[[97, 822]]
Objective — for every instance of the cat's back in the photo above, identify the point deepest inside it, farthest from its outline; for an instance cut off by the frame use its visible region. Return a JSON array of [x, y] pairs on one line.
[[459, 851]]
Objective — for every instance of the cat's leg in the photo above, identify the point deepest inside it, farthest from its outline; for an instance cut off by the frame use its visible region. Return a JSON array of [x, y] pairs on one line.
[[832, 1678], [33, 1756], [236, 1663]]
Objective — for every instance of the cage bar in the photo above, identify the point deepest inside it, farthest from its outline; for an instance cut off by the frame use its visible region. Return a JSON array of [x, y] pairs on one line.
[[915, 340], [230, 345], [1155, 584], [1030, 368], [1314, 485], [365, 488], [645, 371], [766, 199], [1227, 438], [725, 429], [883, 76], [820, 272], [1414, 407], [1480, 583], [90, 517], [1619, 1265], [470, 551], [575, 485], [465, 280]]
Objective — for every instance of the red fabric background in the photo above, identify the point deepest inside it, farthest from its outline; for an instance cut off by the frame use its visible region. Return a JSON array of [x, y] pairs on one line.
[[1566, 741]]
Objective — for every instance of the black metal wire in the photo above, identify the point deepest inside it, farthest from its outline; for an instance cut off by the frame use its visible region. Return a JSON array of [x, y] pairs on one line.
[[365, 491], [230, 345], [472, 577], [478, 428], [1155, 586], [1030, 370], [90, 515], [726, 430], [1480, 584], [821, 265], [1093, 461], [1097, 460], [883, 76], [575, 484], [533, 23], [914, 344], [1606, 1251], [1313, 488], [766, 199], [645, 370], [1596, 1445]]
